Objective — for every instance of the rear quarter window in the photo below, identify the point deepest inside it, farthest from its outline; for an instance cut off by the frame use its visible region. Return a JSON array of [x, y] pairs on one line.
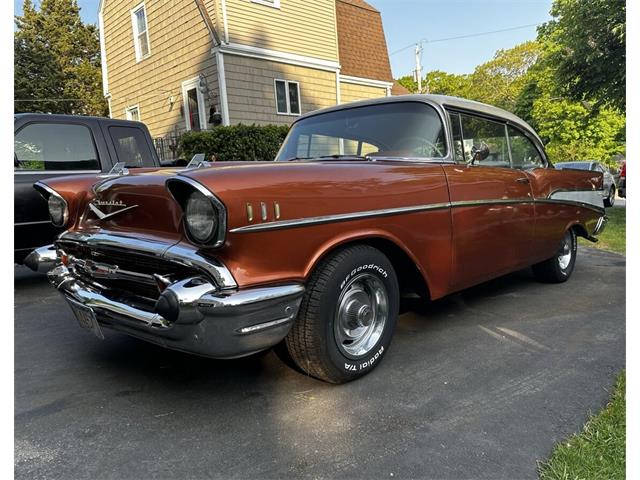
[[131, 146]]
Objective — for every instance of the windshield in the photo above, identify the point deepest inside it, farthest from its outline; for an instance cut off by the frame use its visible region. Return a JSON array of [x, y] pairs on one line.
[[403, 129]]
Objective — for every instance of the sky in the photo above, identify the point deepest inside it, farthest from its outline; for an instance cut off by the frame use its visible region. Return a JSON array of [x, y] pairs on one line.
[[408, 21]]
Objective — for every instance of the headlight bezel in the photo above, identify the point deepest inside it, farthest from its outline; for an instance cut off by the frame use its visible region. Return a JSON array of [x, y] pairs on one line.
[[181, 189], [48, 193]]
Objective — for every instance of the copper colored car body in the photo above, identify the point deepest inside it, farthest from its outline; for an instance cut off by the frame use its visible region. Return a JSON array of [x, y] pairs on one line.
[[443, 216]]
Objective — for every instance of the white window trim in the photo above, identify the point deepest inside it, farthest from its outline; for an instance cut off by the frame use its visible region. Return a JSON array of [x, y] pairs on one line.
[[268, 3], [286, 92], [134, 26], [189, 85], [128, 110]]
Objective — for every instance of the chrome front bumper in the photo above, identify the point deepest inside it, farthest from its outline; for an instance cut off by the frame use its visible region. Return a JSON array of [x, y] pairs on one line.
[[193, 314]]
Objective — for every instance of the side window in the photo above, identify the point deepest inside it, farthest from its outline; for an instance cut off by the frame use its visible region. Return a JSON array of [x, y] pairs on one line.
[[485, 142], [132, 113], [140, 32], [524, 154], [287, 97], [131, 146], [456, 131], [55, 146]]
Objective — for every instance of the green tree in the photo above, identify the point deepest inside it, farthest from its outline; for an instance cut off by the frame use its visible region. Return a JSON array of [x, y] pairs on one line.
[[57, 61], [409, 83], [444, 83], [586, 44], [500, 81]]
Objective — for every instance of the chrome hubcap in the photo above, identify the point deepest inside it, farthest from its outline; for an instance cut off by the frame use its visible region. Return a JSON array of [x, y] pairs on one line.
[[363, 309], [564, 257]]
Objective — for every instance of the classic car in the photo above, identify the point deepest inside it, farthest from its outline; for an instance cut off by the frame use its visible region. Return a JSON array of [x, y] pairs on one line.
[[47, 146], [365, 203], [608, 181]]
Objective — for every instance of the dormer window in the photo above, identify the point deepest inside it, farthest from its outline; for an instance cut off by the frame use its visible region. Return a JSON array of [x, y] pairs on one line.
[[140, 32]]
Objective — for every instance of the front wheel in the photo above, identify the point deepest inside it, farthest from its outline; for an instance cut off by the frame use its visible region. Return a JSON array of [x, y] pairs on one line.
[[611, 199], [558, 268], [347, 316]]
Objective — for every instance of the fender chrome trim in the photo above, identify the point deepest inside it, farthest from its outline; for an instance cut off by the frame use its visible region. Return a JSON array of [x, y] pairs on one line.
[[341, 217], [345, 217]]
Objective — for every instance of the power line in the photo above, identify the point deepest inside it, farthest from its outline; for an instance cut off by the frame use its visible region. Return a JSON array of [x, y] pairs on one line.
[[426, 40]]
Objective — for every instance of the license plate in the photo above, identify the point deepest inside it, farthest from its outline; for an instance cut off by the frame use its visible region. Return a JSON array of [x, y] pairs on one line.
[[86, 318]]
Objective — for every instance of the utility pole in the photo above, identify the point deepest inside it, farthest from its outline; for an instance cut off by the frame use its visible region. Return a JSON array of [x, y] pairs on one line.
[[418, 70]]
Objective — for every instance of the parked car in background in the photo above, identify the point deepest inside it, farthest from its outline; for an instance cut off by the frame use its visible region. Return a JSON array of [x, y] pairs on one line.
[[622, 181], [53, 145], [609, 188], [365, 201]]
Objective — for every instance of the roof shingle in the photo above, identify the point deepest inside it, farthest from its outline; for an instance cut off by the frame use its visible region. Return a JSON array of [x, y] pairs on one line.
[[361, 41]]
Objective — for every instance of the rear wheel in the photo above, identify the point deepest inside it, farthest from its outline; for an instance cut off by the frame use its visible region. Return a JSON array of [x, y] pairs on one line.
[[558, 268], [611, 199], [347, 317]]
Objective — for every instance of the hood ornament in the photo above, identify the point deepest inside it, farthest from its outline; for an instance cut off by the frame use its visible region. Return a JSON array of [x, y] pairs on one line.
[[93, 206]]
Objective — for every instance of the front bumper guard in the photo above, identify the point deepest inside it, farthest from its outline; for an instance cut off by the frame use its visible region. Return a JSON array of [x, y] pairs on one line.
[[192, 315]]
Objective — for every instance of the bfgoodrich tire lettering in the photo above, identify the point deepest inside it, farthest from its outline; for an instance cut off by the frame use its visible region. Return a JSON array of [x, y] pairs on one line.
[[347, 317]]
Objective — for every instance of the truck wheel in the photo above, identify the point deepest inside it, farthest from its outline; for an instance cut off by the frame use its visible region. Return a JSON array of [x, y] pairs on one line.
[[611, 199], [558, 268], [347, 316]]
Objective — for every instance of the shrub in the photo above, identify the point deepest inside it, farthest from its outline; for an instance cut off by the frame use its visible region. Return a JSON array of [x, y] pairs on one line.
[[236, 142]]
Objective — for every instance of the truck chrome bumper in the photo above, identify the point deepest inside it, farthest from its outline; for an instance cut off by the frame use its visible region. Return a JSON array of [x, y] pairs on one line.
[[194, 314]]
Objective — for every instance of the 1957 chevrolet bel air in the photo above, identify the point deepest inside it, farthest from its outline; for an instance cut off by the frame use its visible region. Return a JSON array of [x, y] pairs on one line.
[[313, 252]]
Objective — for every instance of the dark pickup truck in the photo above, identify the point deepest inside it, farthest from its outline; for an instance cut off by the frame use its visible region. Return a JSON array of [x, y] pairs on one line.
[[56, 145]]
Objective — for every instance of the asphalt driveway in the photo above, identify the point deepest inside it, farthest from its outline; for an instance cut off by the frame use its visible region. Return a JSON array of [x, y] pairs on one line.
[[478, 385]]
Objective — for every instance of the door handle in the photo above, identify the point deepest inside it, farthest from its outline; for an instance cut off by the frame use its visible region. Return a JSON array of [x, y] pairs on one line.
[[523, 180]]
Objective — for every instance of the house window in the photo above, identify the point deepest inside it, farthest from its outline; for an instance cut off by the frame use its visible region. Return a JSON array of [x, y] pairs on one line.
[[140, 32], [287, 97], [193, 105], [132, 113], [268, 3]]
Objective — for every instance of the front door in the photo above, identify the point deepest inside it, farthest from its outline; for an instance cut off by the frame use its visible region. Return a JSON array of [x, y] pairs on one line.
[[492, 205]]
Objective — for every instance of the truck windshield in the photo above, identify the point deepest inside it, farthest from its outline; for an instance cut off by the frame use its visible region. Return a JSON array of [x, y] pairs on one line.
[[393, 130]]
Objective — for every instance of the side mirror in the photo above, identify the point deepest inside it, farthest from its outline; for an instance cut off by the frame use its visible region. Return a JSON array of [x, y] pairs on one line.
[[479, 152]]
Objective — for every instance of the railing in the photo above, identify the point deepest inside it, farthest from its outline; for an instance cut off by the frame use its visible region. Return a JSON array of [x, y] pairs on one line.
[[167, 147]]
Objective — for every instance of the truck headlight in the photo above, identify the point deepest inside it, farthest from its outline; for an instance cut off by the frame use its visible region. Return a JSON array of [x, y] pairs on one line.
[[200, 218], [57, 210]]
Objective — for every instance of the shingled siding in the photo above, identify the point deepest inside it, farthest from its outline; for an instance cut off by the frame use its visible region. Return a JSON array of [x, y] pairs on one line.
[[350, 92], [251, 91], [303, 27], [180, 50]]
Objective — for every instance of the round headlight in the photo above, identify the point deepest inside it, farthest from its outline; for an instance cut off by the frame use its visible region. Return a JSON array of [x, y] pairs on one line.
[[200, 217], [57, 210]]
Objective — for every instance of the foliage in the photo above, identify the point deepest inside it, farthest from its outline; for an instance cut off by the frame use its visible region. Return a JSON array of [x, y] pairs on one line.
[[236, 142], [57, 61], [586, 44], [599, 450], [500, 81]]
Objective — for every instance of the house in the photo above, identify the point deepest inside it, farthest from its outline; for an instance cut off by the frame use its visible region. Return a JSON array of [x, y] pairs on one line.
[[192, 64]]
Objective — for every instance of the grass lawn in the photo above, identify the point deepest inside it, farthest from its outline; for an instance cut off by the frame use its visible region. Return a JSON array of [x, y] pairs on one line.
[[598, 452], [614, 236]]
